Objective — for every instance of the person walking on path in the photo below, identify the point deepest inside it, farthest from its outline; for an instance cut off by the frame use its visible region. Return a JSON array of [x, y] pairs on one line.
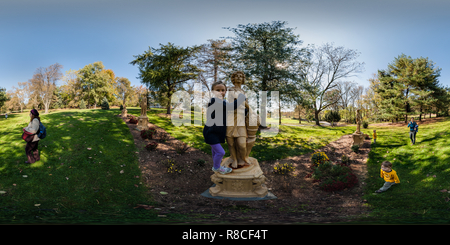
[[31, 149], [412, 130]]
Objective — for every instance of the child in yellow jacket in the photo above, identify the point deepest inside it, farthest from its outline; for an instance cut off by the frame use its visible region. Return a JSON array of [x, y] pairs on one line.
[[389, 175]]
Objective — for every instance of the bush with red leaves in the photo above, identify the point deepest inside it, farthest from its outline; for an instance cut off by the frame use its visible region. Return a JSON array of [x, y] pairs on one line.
[[333, 177], [133, 120], [148, 134]]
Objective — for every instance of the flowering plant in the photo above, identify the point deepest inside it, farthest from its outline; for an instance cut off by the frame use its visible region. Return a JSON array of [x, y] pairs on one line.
[[283, 168], [172, 166], [151, 146], [318, 158]]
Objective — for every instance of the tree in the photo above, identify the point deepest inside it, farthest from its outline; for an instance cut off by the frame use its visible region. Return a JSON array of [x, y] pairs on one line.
[[407, 84], [93, 82], [332, 117], [43, 83], [124, 90], [327, 66], [105, 104], [392, 103], [213, 61], [270, 56], [71, 91], [82, 104], [164, 70], [3, 97]]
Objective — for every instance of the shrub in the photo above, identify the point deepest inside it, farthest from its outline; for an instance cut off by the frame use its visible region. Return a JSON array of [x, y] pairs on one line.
[[201, 162], [365, 124], [318, 158], [151, 146], [181, 147], [82, 104], [345, 159], [133, 120], [163, 137], [105, 104], [355, 148], [332, 117], [147, 134], [333, 177], [284, 168]]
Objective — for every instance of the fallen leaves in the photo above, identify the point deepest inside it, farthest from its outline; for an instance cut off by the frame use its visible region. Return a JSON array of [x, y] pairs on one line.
[[147, 207]]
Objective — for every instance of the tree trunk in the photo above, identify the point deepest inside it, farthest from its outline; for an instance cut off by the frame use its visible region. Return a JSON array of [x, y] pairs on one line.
[[299, 117], [279, 112], [316, 117]]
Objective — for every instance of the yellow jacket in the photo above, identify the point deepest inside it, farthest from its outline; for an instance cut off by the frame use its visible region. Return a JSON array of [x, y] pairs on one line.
[[374, 135], [390, 176]]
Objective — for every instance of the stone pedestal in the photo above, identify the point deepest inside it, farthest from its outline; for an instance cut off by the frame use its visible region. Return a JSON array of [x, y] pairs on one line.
[[246, 181], [142, 123], [124, 113], [358, 138]]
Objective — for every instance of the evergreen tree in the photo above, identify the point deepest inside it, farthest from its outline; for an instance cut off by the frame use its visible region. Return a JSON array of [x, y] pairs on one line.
[[332, 117], [408, 84], [270, 56], [105, 104], [82, 104], [164, 70]]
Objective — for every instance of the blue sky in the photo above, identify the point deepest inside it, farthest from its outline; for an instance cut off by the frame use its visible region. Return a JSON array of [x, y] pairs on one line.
[[75, 33]]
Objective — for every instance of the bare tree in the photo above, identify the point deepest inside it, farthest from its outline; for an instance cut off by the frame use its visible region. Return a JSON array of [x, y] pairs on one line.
[[212, 60], [329, 65], [44, 83]]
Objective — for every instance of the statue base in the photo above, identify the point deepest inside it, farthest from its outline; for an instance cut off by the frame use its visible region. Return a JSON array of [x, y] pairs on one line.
[[142, 123], [243, 182], [358, 138], [124, 113]]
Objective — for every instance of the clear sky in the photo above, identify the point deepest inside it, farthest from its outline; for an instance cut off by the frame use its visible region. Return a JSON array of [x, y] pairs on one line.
[[75, 33]]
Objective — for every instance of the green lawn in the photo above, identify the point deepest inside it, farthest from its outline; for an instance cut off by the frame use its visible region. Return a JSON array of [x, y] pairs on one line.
[[423, 170], [71, 183]]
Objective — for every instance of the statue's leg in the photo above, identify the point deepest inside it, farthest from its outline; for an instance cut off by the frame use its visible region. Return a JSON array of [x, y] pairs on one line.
[[242, 151], [232, 149]]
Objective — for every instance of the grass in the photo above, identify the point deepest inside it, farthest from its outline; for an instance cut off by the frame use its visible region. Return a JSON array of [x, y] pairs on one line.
[[71, 183], [423, 170]]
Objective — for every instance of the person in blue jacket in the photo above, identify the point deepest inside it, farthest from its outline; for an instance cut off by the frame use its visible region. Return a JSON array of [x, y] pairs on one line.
[[413, 128], [215, 128]]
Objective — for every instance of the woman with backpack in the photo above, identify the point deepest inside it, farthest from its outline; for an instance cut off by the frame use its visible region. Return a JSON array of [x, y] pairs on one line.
[[31, 149]]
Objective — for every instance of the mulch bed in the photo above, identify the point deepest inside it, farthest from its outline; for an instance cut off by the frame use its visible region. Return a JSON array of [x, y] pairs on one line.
[[299, 200]]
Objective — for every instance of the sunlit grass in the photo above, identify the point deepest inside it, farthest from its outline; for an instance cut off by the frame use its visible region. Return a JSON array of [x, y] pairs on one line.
[[423, 170], [70, 180]]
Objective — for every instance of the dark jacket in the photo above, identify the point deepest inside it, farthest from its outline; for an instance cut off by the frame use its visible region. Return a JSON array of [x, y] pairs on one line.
[[213, 132], [412, 126]]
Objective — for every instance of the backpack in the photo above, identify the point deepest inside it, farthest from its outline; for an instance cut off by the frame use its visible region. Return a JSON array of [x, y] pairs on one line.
[[42, 131], [416, 128]]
